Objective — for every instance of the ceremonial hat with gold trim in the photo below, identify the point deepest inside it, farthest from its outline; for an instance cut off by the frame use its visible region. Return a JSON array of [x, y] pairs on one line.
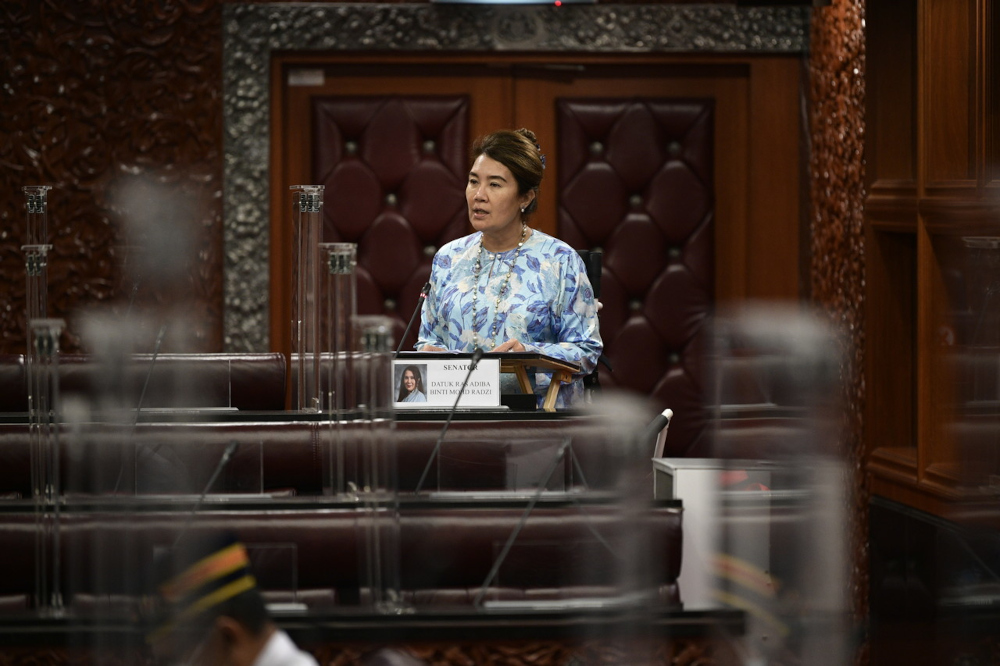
[[198, 580]]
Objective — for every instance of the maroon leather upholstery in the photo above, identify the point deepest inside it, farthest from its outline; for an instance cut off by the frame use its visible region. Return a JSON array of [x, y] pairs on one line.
[[636, 180], [180, 457], [315, 556], [558, 552], [17, 534], [447, 551], [394, 170], [108, 558], [13, 383], [252, 382]]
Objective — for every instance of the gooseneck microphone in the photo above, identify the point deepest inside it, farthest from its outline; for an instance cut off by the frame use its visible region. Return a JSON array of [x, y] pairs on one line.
[[657, 428], [476, 356], [420, 303], [142, 396], [227, 455]]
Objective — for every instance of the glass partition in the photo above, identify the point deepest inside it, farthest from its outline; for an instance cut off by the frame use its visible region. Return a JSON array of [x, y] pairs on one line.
[[501, 465], [44, 443], [775, 486], [308, 204], [379, 521], [338, 377], [174, 467]]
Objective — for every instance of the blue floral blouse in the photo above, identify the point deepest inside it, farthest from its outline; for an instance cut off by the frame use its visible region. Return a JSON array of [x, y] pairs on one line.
[[548, 305]]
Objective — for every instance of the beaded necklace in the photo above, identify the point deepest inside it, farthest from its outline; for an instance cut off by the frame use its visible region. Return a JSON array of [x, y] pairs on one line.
[[476, 270]]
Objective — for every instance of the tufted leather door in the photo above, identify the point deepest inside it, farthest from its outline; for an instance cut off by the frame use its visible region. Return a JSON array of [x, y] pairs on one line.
[[636, 181], [394, 168], [390, 145]]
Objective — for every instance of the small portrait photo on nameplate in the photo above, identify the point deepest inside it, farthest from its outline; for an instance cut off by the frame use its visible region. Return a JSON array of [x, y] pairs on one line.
[[435, 383]]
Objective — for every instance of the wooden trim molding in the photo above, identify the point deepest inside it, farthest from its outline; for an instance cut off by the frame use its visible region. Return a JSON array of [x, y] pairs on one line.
[[895, 460]]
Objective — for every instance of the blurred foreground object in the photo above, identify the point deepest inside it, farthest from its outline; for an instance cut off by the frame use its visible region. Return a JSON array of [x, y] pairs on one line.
[[781, 495]]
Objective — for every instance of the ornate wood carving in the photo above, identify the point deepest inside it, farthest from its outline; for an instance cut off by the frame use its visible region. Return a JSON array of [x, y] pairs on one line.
[[94, 92], [836, 119], [676, 652], [585, 652], [78, 656]]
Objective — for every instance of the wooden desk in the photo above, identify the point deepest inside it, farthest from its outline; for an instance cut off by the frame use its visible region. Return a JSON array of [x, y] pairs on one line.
[[676, 637], [517, 363], [562, 373]]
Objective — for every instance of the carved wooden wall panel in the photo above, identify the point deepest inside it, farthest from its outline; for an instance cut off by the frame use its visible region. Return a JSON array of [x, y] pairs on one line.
[[836, 119], [94, 92], [676, 652]]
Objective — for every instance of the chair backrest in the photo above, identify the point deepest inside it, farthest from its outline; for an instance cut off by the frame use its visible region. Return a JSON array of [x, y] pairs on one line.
[[593, 260]]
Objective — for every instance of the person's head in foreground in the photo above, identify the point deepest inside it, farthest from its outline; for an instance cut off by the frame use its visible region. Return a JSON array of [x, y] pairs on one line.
[[212, 611]]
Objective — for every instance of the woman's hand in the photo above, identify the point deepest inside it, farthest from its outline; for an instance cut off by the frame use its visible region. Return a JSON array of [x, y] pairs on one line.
[[432, 348], [511, 345]]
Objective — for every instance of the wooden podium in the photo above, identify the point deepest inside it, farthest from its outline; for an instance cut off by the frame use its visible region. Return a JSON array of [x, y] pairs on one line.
[[518, 364]]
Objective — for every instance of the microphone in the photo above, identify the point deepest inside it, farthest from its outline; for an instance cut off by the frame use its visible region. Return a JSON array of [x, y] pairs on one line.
[[420, 303], [142, 396], [227, 455], [657, 431], [476, 356], [495, 569]]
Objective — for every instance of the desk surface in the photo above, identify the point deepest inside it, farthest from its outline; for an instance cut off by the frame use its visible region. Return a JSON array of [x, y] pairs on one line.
[[353, 626], [237, 416]]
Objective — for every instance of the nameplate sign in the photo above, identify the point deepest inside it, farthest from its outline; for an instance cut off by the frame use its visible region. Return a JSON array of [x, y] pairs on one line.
[[436, 383]]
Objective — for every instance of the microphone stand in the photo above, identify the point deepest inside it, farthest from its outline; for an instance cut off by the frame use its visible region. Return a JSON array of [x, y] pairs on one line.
[[142, 397], [477, 602], [661, 421], [420, 303], [476, 356], [226, 457]]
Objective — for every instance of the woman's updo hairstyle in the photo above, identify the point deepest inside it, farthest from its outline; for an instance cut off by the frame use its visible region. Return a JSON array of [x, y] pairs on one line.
[[519, 152]]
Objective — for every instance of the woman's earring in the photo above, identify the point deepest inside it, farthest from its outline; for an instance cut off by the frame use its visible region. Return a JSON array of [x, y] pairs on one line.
[[522, 210]]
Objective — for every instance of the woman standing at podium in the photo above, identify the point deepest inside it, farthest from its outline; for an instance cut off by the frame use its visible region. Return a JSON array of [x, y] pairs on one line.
[[508, 287]]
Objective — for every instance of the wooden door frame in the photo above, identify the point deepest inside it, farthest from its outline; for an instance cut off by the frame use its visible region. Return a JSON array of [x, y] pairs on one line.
[[764, 220]]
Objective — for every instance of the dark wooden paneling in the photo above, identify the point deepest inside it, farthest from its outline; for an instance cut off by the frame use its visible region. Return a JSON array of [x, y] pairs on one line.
[[948, 94], [891, 304], [775, 171], [891, 121]]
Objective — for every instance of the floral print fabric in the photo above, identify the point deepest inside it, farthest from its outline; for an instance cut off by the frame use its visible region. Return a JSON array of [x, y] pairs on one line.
[[548, 305]]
